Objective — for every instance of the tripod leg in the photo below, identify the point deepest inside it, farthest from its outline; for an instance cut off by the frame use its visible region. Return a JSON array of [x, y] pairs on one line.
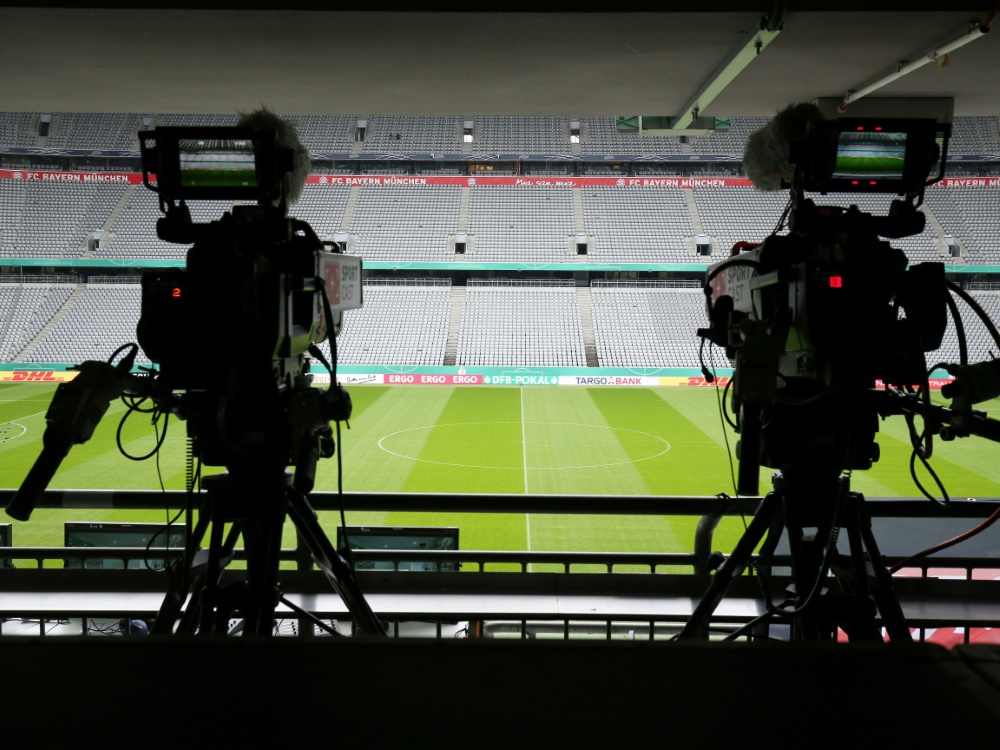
[[885, 595], [734, 565], [263, 542], [338, 572], [204, 584]]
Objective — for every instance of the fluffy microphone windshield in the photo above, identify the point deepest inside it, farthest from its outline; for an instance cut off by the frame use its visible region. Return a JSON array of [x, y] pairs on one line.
[[288, 137], [767, 156]]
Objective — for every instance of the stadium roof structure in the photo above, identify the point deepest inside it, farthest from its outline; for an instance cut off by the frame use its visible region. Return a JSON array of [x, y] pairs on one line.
[[528, 60]]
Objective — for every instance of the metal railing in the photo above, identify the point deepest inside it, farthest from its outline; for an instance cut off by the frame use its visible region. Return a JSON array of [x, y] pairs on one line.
[[529, 592]]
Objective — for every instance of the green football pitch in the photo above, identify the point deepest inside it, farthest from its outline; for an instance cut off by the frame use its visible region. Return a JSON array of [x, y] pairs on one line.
[[474, 440], [873, 166]]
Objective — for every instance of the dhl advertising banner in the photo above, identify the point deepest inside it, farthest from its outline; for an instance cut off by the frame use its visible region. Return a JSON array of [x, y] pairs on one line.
[[36, 376]]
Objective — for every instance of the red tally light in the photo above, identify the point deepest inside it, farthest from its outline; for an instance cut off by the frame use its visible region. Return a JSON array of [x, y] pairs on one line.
[[175, 292], [878, 128], [836, 282], [872, 182], [860, 127], [855, 182]]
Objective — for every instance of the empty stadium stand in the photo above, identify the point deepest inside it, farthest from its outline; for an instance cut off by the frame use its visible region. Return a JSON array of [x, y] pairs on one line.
[[641, 325], [526, 323], [511, 224], [401, 323], [102, 318], [638, 322]]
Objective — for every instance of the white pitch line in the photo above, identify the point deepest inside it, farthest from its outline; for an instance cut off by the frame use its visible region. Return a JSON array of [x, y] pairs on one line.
[[29, 416], [524, 453], [524, 444]]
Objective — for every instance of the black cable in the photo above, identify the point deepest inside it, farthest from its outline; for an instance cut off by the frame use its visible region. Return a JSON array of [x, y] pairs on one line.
[[963, 351], [155, 419], [944, 500], [976, 308], [331, 367]]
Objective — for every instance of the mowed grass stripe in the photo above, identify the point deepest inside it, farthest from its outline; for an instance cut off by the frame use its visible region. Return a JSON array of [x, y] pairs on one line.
[[475, 428], [572, 449], [475, 446], [367, 467], [627, 436]]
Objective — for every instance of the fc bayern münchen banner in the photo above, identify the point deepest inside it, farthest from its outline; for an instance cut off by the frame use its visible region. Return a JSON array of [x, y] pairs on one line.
[[685, 183]]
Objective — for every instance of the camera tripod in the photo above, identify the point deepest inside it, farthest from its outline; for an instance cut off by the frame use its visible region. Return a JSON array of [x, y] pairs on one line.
[[254, 502], [798, 505]]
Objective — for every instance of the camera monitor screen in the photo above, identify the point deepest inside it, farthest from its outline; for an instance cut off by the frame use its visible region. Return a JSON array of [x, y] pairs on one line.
[[420, 538], [867, 154], [101, 534], [213, 163], [217, 163], [870, 152]]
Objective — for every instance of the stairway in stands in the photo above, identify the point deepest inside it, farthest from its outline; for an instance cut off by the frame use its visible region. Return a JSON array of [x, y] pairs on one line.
[[585, 302], [454, 325]]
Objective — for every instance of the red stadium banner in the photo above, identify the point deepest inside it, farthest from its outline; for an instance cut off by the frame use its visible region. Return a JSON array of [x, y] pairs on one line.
[[416, 379], [28, 175], [468, 180], [963, 182], [528, 182]]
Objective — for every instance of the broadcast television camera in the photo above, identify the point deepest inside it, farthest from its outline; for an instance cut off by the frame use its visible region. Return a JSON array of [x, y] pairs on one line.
[[260, 289], [828, 327], [230, 335], [813, 318]]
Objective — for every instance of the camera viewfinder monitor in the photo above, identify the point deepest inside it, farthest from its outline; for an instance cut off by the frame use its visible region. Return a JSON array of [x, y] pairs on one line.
[[877, 155], [221, 163], [101, 534], [418, 538], [6, 540]]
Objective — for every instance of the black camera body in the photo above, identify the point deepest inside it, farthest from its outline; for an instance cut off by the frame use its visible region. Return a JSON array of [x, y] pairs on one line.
[[812, 319], [234, 328], [245, 295]]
